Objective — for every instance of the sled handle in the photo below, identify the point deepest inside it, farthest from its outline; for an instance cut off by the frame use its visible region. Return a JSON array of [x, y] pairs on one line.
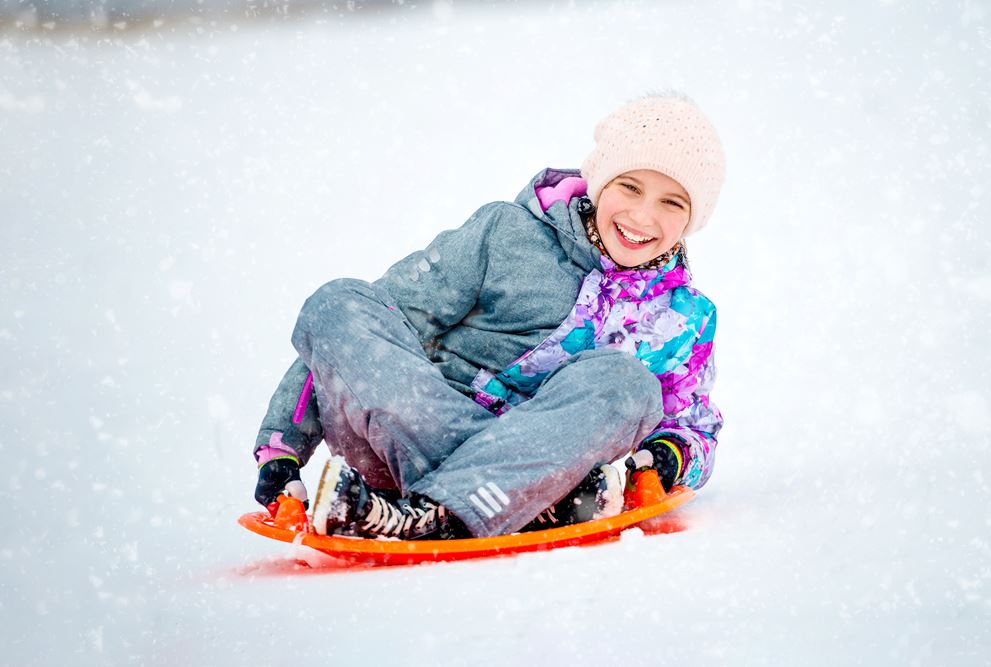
[[291, 514], [647, 489]]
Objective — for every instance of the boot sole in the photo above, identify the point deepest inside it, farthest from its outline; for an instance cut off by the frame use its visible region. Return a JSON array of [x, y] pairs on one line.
[[328, 492], [614, 494]]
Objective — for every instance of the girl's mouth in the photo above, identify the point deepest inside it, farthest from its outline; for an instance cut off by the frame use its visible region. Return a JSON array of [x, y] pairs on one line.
[[630, 240]]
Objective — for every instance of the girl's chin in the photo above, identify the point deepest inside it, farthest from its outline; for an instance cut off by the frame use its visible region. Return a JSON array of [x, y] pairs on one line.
[[630, 261]]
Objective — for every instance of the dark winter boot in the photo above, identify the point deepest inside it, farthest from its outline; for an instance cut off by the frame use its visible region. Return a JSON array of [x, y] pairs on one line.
[[598, 496], [346, 505]]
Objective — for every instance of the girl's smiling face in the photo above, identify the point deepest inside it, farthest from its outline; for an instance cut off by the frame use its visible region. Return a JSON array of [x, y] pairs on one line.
[[641, 215]]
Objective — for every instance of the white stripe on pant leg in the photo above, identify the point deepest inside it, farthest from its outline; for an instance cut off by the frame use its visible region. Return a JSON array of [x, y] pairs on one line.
[[480, 505], [498, 493], [489, 499]]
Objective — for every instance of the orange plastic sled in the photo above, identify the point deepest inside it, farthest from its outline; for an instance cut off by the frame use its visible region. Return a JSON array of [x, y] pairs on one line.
[[290, 525]]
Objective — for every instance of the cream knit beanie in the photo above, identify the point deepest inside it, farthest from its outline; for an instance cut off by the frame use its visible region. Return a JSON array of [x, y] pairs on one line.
[[666, 133]]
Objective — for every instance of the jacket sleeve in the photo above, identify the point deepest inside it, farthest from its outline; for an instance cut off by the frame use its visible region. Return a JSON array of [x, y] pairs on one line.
[[279, 436], [684, 442], [438, 286]]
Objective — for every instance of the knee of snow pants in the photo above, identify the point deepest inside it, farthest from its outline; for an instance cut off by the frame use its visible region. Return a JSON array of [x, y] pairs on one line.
[[614, 381], [332, 315], [383, 404]]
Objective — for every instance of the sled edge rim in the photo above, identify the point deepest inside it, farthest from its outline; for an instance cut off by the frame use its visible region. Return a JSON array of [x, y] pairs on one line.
[[411, 551]]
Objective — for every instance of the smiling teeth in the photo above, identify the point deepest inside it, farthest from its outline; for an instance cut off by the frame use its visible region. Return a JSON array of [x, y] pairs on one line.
[[633, 238]]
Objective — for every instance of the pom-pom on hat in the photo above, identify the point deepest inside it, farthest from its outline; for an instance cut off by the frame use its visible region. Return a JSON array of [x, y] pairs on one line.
[[665, 133]]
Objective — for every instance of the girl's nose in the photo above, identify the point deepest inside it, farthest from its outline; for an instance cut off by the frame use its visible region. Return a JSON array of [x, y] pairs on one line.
[[638, 215]]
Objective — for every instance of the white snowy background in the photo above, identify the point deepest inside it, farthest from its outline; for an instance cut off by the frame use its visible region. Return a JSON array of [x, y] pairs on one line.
[[170, 192]]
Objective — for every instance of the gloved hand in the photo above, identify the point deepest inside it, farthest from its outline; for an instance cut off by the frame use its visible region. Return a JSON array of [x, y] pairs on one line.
[[660, 455], [280, 476]]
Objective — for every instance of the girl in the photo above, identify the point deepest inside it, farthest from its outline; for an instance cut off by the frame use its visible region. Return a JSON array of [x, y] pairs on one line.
[[471, 389]]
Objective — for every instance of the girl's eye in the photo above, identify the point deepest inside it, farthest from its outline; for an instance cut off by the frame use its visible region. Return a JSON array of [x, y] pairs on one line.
[[630, 187], [674, 202]]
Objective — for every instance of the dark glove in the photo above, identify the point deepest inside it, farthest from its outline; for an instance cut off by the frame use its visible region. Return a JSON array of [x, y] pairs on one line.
[[658, 454], [280, 476]]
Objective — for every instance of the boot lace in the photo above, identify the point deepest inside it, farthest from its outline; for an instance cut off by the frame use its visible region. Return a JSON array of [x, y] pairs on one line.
[[549, 515], [401, 519]]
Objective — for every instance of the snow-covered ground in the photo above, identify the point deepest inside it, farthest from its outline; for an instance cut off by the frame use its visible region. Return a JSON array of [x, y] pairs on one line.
[[170, 194]]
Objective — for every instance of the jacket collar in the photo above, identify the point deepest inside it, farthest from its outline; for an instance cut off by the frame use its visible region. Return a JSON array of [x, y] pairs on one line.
[[563, 217], [644, 284]]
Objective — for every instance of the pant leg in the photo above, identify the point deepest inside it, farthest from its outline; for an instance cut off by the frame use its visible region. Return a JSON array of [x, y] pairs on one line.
[[591, 410], [384, 405]]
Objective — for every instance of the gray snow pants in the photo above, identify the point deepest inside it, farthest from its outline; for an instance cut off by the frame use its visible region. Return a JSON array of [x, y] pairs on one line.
[[390, 412]]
